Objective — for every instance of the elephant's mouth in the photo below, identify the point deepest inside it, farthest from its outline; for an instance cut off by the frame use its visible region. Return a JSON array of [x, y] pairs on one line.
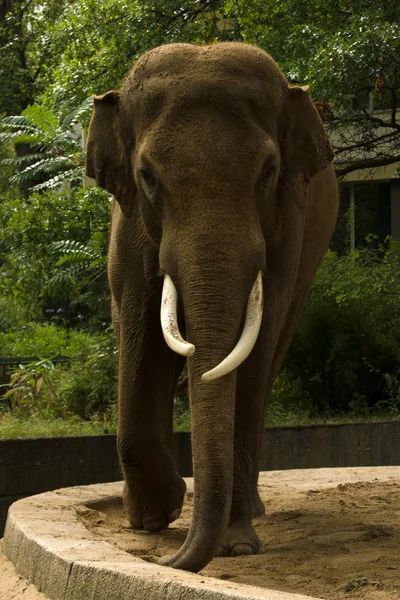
[[248, 338]]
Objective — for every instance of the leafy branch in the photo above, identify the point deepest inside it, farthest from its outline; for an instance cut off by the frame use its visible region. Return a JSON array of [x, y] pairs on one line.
[[79, 263], [56, 155]]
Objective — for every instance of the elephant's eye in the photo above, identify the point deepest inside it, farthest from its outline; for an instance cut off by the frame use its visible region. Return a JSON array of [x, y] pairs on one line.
[[147, 177], [267, 172], [268, 169]]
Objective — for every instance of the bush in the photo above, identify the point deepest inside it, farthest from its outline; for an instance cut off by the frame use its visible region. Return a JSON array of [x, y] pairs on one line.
[[85, 387], [45, 341], [347, 347], [89, 386], [12, 314], [34, 248]]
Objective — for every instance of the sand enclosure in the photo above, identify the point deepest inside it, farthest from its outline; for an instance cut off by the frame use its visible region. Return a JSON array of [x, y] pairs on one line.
[[322, 538]]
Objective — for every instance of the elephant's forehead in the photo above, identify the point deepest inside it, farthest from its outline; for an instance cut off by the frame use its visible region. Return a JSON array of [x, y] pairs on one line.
[[232, 60], [228, 74], [190, 101]]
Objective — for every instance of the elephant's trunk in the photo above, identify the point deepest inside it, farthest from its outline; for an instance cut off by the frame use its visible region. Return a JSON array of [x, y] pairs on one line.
[[212, 442], [214, 303]]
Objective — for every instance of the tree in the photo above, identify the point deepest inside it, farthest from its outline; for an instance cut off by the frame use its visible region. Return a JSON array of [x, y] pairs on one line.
[[101, 41], [349, 53], [25, 50]]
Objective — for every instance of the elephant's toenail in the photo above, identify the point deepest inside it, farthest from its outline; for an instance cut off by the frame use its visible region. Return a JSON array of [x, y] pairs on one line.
[[174, 515], [242, 550], [153, 526]]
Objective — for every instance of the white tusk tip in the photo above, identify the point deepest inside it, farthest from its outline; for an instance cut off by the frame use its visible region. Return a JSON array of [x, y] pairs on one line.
[[169, 320], [248, 338], [210, 376], [190, 350]]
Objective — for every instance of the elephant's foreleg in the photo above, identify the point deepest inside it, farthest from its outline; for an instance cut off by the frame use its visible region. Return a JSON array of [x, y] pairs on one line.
[[283, 343], [250, 399], [154, 492]]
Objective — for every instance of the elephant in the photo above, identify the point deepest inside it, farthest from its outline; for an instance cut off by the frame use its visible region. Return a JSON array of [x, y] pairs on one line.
[[225, 201]]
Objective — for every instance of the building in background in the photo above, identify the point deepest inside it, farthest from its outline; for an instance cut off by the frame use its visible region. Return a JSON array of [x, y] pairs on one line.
[[369, 208], [370, 197]]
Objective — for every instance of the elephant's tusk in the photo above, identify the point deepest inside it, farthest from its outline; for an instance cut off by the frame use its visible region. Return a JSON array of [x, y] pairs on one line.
[[249, 335], [169, 320]]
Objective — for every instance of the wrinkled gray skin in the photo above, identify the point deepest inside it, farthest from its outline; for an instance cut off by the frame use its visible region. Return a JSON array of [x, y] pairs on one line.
[[219, 170]]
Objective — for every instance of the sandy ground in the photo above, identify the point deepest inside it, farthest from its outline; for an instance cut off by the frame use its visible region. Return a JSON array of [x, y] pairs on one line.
[[337, 543], [14, 587]]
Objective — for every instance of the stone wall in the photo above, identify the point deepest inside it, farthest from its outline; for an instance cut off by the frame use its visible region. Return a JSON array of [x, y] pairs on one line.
[[33, 466]]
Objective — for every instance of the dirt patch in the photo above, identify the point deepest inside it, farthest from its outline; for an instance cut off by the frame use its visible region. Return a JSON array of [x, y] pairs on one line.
[[335, 543], [12, 585]]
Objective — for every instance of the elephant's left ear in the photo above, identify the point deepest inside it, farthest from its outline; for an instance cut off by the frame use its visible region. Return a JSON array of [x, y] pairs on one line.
[[107, 159], [307, 147]]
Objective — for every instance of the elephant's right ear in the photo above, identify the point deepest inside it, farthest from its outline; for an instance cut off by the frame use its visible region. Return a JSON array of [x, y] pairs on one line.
[[107, 159]]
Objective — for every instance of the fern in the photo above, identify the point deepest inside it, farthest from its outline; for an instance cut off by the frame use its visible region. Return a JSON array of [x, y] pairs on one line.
[[58, 180], [15, 120], [29, 158], [43, 166], [57, 154], [73, 250], [67, 246], [79, 258], [41, 118], [21, 136], [79, 263], [79, 114]]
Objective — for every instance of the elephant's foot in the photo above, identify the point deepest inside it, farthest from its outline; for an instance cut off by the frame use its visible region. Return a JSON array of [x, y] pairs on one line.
[[153, 506], [257, 505], [240, 540]]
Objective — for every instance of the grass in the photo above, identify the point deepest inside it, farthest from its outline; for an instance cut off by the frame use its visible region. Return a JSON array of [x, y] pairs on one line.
[[14, 427], [278, 416]]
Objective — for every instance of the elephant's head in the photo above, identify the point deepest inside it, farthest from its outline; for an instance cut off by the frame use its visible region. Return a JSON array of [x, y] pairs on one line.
[[212, 151]]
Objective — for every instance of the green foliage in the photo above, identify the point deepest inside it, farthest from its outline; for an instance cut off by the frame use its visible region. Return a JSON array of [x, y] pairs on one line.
[[23, 394], [339, 49], [102, 40], [347, 348], [27, 52], [12, 314], [55, 154], [28, 260], [182, 420], [12, 427], [34, 227], [80, 264], [84, 387], [88, 387], [45, 340], [288, 399], [393, 387]]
